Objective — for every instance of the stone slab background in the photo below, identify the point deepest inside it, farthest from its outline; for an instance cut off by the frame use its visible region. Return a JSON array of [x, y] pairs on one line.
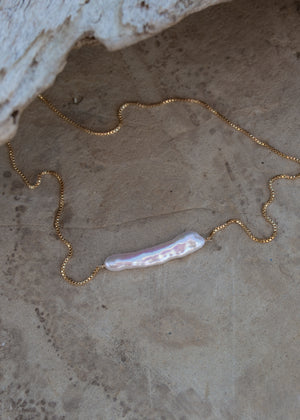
[[214, 336]]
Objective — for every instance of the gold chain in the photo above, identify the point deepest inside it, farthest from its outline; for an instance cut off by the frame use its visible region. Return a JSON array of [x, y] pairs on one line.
[[115, 130]]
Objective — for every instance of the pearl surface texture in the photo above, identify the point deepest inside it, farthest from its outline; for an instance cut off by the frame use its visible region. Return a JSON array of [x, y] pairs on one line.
[[179, 247]]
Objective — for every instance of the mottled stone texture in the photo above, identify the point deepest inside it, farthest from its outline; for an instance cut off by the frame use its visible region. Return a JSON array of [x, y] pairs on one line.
[[214, 336], [36, 37]]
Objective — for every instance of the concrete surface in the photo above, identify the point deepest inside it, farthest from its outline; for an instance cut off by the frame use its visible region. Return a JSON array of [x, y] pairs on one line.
[[214, 336]]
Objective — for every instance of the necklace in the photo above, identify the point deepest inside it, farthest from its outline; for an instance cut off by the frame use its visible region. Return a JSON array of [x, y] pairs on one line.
[[181, 245]]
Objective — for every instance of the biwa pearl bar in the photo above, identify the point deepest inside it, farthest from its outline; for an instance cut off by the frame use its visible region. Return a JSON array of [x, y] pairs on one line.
[[179, 247]]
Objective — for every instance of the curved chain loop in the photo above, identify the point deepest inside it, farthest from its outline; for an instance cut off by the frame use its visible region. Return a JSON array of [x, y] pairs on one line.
[[117, 128]]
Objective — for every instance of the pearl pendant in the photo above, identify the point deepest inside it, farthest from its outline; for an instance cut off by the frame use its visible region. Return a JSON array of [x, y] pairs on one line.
[[179, 247]]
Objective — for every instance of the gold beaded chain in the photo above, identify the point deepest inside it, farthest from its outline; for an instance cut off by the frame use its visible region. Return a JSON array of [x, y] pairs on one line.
[[219, 228]]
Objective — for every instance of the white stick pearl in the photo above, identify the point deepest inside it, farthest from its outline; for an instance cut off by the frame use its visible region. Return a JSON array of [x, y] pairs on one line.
[[179, 247]]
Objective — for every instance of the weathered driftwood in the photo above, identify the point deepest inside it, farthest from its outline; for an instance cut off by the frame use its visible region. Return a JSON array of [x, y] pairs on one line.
[[36, 37]]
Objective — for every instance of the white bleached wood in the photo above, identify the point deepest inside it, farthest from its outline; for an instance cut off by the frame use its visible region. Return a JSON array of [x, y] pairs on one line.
[[36, 37]]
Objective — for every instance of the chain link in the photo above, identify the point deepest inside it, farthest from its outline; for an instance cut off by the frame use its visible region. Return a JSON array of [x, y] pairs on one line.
[[125, 105]]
